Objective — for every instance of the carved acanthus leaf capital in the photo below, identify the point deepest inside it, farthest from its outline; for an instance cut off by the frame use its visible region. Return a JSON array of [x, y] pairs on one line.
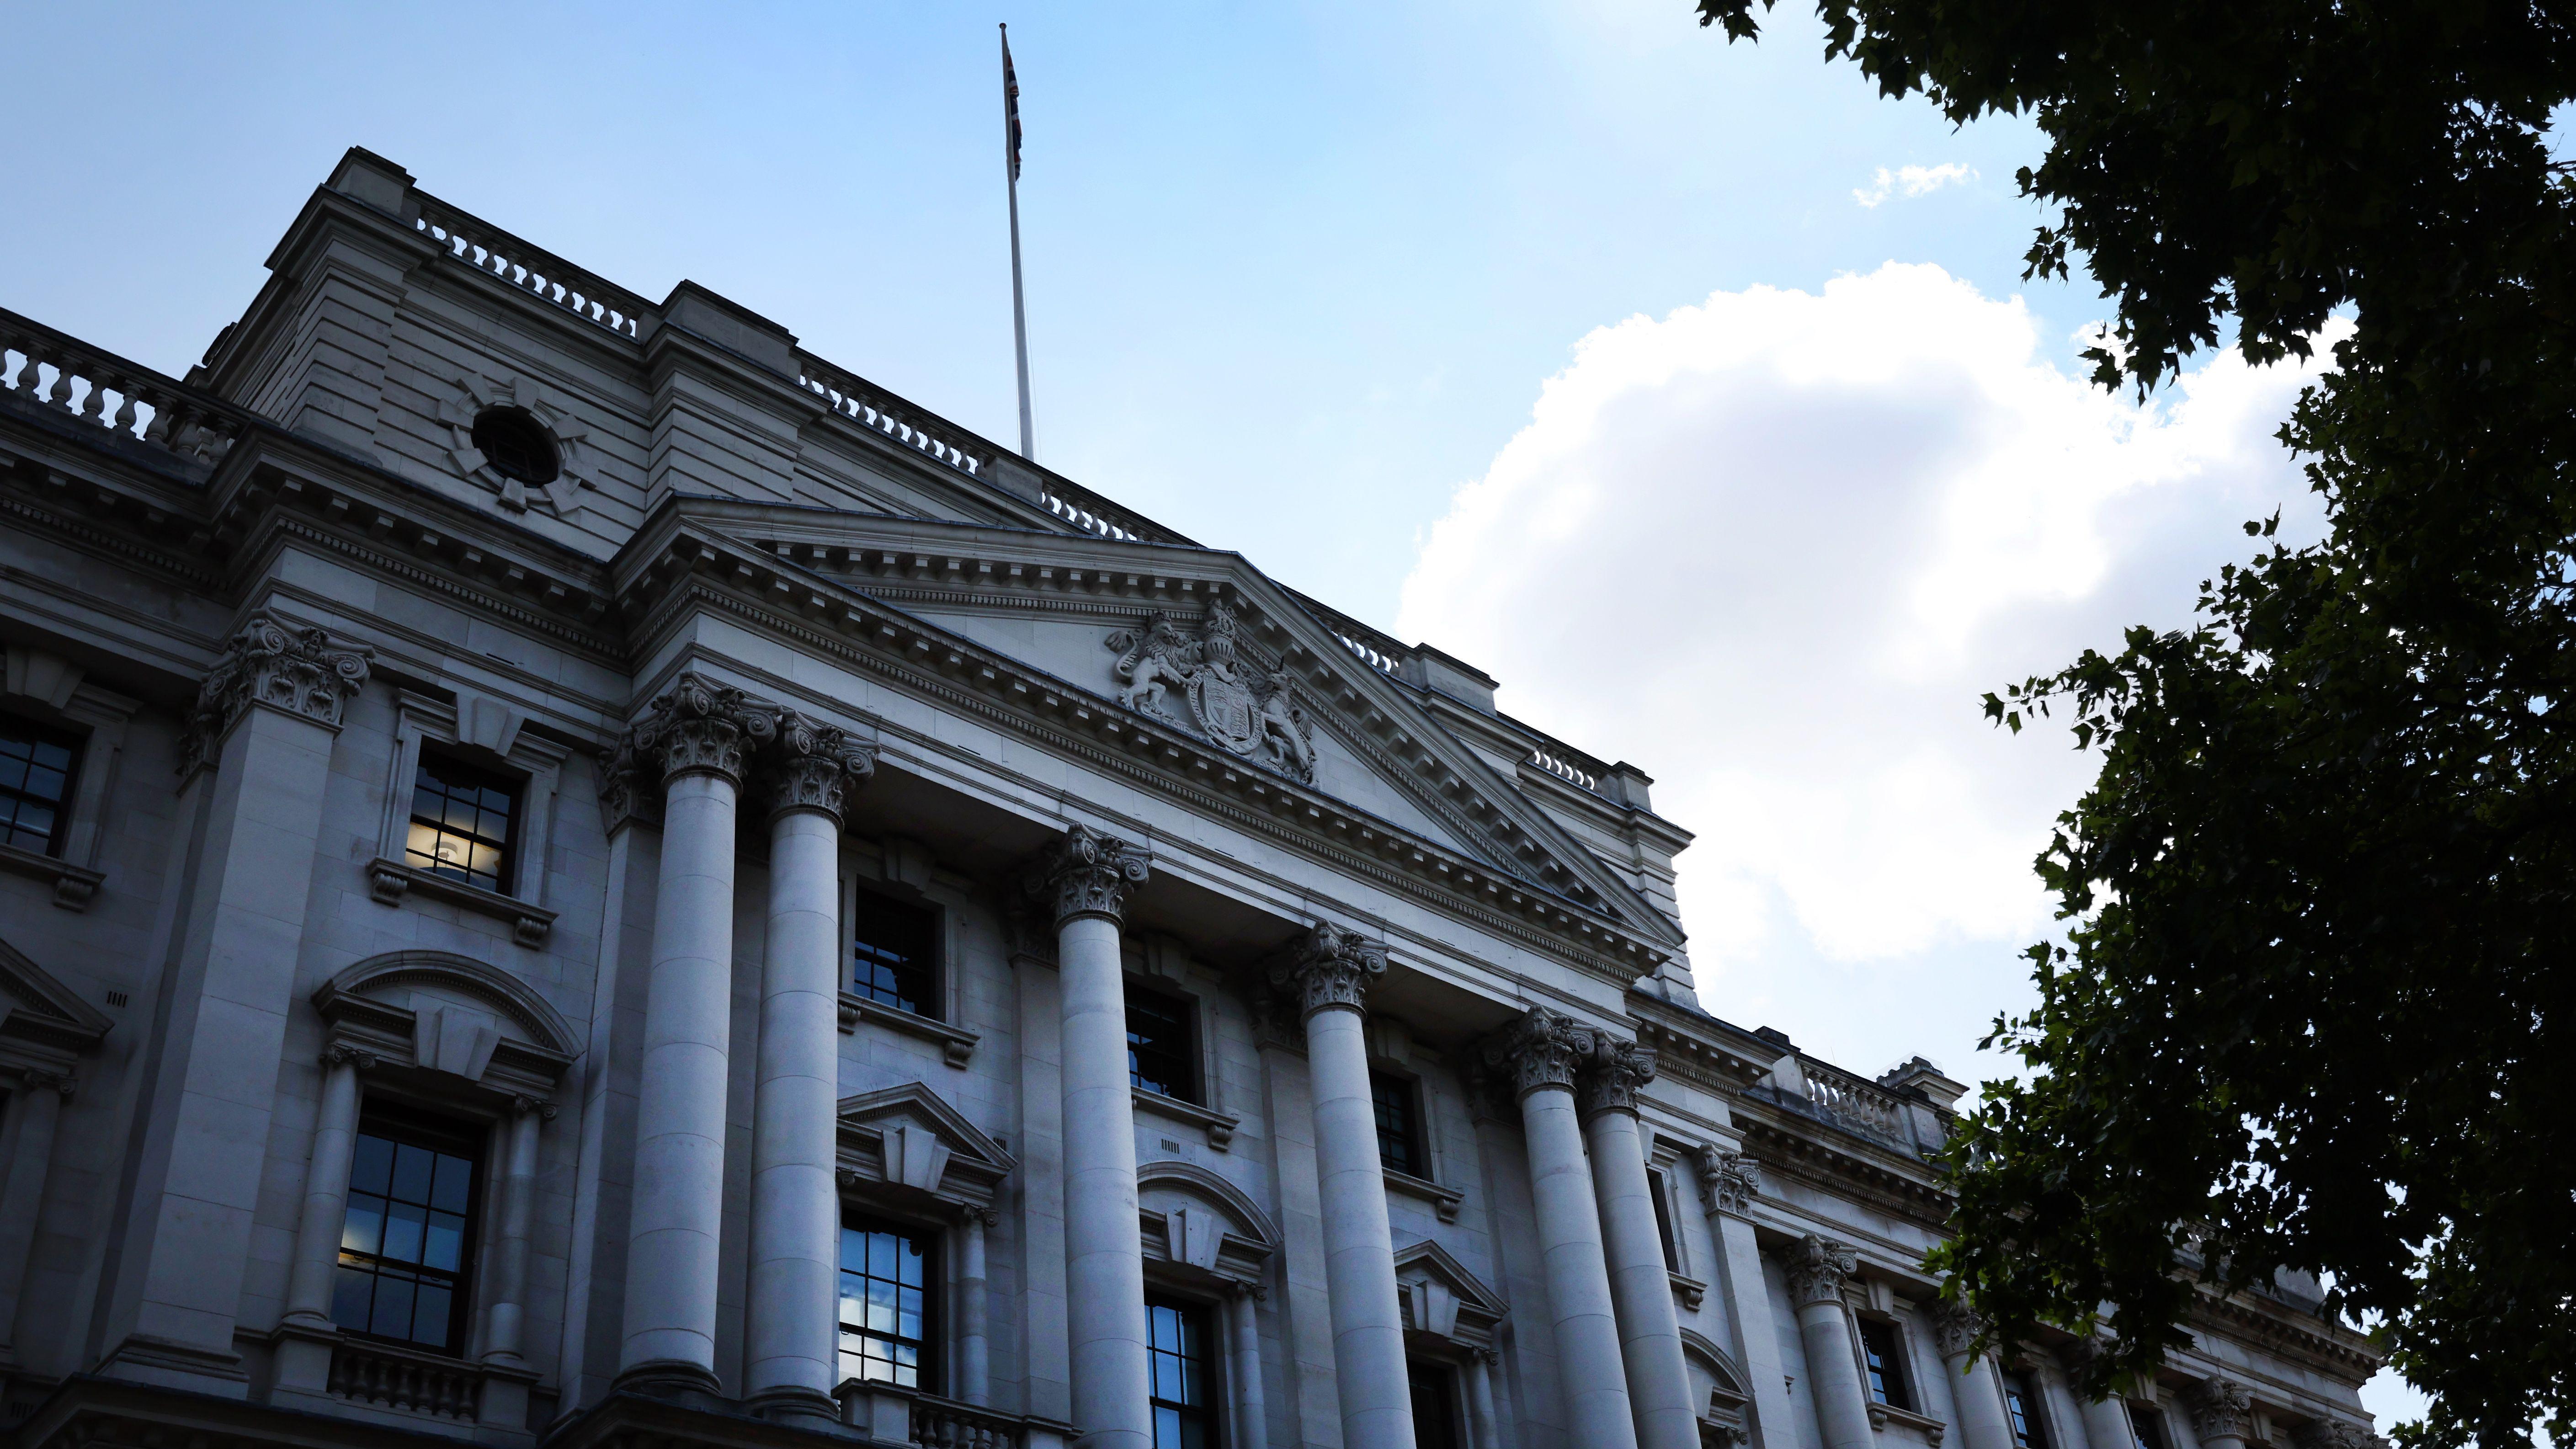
[[1955, 1327], [1541, 1050], [1611, 1074], [814, 766], [1086, 873], [1817, 1269], [1728, 1181], [280, 665], [2221, 1408], [1329, 967]]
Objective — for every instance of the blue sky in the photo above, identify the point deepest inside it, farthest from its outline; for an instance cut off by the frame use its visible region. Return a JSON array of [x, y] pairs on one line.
[[1563, 335]]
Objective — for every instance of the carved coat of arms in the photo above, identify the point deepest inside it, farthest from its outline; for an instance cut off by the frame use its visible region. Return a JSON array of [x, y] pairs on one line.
[[1202, 680]]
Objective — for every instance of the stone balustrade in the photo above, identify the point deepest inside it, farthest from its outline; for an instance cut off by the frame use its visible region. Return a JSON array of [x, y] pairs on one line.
[[872, 407], [939, 1423], [394, 1378], [1853, 1101], [487, 248], [47, 369]]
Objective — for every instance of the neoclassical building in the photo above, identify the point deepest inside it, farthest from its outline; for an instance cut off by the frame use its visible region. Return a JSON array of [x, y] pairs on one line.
[[574, 874]]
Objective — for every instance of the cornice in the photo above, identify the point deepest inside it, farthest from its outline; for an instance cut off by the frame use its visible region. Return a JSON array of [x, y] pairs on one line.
[[962, 678], [1868, 1176], [2330, 1349]]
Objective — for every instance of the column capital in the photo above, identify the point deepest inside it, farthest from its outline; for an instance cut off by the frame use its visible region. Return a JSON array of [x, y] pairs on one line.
[[1610, 1076], [277, 664], [1329, 967], [699, 726], [524, 1105], [1817, 1269], [1955, 1328], [1541, 1050], [1728, 1181], [814, 766], [342, 1054], [1085, 873], [58, 1080], [2220, 1408]]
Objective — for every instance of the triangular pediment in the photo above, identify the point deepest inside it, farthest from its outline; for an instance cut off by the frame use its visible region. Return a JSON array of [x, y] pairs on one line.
[[1440, 1298], [909, 1140], [1199, 643], [39, 1015]]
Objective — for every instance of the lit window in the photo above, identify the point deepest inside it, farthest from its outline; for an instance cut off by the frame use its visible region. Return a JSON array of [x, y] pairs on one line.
[[406, 1240], [1183, 1418], [1878, 1343], [1158, 1046], [35, 780], [1399, 1124], [891, 949], [885, 1305], [460, 823], [2022, 1407], [515, 445]]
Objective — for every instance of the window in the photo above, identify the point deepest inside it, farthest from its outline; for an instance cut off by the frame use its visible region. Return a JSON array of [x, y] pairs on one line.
[[1878, 1345], [1435, 1405], [885, 1304], [1183, 1416], [2021, 1406], [2148, 1423], [892, 946], [1399, 1124], [461, 821], [35, 784], [515, 445], [1159, 1046], [1657, 1188], [408, 1236]]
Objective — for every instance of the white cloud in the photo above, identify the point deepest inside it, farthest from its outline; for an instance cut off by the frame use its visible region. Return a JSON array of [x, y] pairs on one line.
[[1774, 547], [1912, 181]]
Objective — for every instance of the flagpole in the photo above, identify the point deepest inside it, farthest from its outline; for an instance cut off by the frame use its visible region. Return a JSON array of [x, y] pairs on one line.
[[1019, 297]]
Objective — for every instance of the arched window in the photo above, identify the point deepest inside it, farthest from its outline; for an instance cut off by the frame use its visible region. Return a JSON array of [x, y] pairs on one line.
[[516, 445]]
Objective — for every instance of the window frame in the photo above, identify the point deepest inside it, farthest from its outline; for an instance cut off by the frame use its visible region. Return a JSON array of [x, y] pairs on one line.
[[75, 743], [2147, 1424], [1211, 1363], [455, 1136], [935, 973], [512, 847], [58, 695], [1886, 1376], [1185, 1012], [1452, 1395], [1417, 1163], [486, 733], [932, 1368], [512, 416], [2026, 1413]]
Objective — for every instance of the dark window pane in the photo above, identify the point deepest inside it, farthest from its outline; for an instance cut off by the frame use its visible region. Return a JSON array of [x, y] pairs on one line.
[[1886, 1370], [406, 1243], [885, 1310], [35, 780], [1435, 1406], [1399, 1125], [893, 948], [1655, 1188], [2022, 1407], [1159, 1047], [1183, 1394], [2149, 1424]]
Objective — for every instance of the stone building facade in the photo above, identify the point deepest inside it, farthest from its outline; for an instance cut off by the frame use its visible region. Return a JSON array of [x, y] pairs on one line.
[[573, 873]]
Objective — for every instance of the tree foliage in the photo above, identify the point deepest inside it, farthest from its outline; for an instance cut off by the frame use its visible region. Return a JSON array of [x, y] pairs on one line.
[[2315, 1007]]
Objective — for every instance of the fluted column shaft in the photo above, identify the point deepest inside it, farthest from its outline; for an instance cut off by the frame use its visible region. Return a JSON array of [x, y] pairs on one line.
[[1983, 1421], [1817, 1269], [505, 1338], [1083, 881], [1641, 1289], [326, 1189], [676, 1217], [1540, 1054], [1330, 969]]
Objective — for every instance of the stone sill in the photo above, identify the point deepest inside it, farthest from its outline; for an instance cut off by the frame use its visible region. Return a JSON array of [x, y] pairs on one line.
[[1882, 1415], [390, 880], [956, 1044], [73, 884], [1443, 1200], [1689, 1292], [1218, 1125]]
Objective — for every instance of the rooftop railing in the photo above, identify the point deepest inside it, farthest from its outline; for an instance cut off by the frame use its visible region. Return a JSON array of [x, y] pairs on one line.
[[1853, 1099], [47, 369], [487, 248], [872, 407]]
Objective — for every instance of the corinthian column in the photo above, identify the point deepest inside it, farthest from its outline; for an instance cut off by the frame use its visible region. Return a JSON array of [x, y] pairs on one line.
[[2106, 1419], [2222, 1413], [1973, 1385], [1817, 1269], [1330, 970], [1641, 1288], [1540, 1053], [792, 1355], [698, 733], [1083, 882]]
